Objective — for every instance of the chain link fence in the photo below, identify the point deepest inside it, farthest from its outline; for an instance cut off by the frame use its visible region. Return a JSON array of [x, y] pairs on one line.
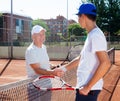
[[57, 46]]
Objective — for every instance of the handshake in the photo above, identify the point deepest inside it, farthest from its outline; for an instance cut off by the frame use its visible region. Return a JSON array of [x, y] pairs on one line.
[[59, 71]]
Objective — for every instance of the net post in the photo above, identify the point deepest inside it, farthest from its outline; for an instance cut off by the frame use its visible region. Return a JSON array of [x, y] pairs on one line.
[[114, 55]]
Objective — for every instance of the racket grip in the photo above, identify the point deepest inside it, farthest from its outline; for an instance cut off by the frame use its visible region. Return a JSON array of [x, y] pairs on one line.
[[58, 65]]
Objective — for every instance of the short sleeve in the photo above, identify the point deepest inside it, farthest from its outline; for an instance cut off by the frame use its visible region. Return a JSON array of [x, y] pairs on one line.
[[98, 43], [31, 57]]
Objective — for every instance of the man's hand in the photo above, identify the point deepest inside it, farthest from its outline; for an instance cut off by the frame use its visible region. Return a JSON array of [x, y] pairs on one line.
[[84, 90], [58, 72]]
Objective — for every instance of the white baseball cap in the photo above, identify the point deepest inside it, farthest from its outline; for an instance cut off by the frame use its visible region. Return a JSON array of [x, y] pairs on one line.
[[37, 29]]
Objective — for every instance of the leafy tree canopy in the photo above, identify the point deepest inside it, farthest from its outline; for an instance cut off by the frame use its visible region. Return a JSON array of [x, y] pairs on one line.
[[108, 15], [75, 29]]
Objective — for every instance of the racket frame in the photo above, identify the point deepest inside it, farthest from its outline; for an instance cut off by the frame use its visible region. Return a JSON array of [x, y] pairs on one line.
[[67, 57], [66, 85]]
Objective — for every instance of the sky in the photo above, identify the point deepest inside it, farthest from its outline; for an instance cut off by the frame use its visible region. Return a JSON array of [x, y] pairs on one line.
[[43, 9]]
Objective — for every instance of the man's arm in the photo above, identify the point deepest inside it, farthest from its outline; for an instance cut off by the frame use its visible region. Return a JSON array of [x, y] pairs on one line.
[[100, 72], [38, 70], [74, 63]]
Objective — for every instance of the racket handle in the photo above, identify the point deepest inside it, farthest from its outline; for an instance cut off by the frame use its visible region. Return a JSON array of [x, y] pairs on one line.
[[56, 66], [59, 65], [79, 88]]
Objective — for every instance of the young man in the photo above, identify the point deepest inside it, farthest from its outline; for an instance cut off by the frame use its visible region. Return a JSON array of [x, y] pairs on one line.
[[93, 62], [37, 60]]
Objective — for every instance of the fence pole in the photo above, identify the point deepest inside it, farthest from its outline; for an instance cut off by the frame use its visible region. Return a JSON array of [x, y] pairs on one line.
[[11, 31]]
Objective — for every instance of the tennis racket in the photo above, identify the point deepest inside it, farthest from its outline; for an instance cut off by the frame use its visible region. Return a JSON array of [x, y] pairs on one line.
[[73, 52], [50, 83]]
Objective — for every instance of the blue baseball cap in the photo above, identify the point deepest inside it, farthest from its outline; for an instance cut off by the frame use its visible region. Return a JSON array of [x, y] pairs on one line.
[[87, 8]]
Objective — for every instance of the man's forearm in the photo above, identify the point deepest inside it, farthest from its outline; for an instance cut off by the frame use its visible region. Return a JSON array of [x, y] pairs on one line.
[[44, 72], [100, 72], [74, 63]]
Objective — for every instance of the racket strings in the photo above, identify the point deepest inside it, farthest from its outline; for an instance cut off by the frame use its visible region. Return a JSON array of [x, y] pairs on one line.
[[66, 95], [74, 52], [49, 83], [43, 83]]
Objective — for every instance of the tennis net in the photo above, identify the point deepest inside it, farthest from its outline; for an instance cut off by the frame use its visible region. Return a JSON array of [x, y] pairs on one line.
[[18, 91], [111, 54]]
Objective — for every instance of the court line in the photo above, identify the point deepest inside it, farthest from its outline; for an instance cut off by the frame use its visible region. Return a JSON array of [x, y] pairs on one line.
[[5, 67]]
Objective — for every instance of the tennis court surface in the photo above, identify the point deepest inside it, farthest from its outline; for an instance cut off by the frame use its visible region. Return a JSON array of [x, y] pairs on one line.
[[13, 82]]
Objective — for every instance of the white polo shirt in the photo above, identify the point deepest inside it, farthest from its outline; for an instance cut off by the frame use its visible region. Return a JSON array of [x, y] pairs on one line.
[[36, 55], [89, 62]]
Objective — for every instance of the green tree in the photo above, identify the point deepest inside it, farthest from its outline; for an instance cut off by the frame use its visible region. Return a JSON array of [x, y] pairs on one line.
[[114, 15], [108, 15], [41, 23], [76, 30]]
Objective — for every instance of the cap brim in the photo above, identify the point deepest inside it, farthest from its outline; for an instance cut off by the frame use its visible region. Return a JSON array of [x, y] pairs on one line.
[[78, 13]]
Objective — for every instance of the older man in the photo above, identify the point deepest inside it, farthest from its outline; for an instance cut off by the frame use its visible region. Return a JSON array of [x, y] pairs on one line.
[[37, 60]]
